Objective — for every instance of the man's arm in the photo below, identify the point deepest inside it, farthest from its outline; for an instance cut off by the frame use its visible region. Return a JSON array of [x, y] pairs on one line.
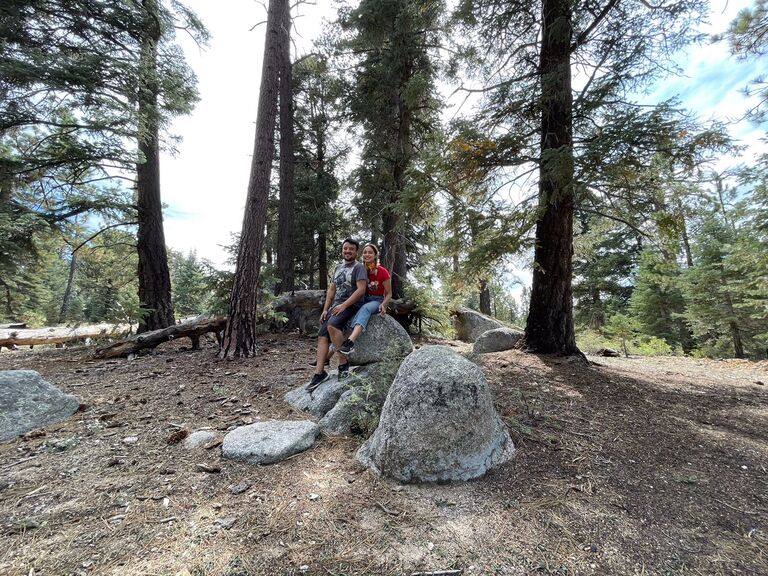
[[354, 297]]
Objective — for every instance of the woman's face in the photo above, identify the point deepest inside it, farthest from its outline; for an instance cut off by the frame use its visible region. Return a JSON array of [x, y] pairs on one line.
[[369, 255]]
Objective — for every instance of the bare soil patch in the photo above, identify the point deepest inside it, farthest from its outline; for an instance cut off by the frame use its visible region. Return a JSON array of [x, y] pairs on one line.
[[626, 466]]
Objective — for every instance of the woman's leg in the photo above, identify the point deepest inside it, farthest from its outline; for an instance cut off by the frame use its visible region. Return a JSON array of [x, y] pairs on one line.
[[363, 315], [360, 321]]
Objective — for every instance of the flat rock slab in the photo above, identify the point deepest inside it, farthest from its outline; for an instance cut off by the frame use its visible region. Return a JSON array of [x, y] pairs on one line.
[[497, 340], [269, 442], [28, 402], [438, 423]]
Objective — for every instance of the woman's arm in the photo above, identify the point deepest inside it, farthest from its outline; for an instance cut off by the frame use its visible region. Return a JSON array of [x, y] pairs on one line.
[[387, 296]]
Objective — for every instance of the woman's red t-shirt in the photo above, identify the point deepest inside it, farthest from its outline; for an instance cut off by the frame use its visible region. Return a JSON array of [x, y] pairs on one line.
[[376, 280]]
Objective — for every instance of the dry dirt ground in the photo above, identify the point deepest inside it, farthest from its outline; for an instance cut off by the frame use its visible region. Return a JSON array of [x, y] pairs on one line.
[[625, 466]]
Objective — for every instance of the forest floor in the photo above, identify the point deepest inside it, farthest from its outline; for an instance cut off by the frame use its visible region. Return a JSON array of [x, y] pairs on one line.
[[625, 466]]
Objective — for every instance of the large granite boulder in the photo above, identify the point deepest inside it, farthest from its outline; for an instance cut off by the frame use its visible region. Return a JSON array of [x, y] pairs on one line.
[[269, 442], [470, 324], [28, 402], [438, 422], [383, 339], [497, 340]]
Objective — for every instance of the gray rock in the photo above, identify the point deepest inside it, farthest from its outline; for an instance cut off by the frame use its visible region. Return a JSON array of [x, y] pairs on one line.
[[438, 422], [358, 408], [497, 340], [269, 442], [319, 401], [28, 402], [470, 324], [384, 339], [348, 416], [199, 439]]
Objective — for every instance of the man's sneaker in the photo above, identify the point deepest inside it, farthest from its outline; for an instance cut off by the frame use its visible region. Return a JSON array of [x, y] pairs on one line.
[[347, 347], [317, 379], [343, 371]]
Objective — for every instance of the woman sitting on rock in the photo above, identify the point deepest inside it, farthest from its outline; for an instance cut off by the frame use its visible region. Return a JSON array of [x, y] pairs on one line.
[[377, 296]]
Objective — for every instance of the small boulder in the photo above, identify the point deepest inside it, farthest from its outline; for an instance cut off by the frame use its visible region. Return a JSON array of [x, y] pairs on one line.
[[269, 442], [497, 340], [438, 422], [470, 324], [199, 439], [358, 408], [384, 339], [28, 402], [320, 400]]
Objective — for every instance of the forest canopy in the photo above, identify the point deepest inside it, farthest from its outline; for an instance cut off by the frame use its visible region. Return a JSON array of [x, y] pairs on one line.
[[479, 143]]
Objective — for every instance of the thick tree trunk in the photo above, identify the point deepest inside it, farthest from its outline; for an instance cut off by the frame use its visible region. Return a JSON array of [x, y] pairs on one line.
[[485, 298], [154, 276], [67, 298], [285, 225], [549, 328], [240, 333], [9, 312], [322, 260]]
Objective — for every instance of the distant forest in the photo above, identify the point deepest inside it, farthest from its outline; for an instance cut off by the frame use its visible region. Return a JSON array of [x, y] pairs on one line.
[[632, 231]]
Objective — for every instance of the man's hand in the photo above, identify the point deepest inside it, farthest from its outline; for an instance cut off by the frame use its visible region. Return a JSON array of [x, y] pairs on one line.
[[339, 309], [323, 316]]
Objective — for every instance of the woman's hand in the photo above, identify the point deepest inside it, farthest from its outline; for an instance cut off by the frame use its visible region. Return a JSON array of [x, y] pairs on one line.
[[382, 309]]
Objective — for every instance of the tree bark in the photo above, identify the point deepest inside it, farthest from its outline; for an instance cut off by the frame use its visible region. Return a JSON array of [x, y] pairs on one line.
[[154, 276], [485, 298], [287, 206], [240, 333], [55, 335], [67, 298], [322, 260], [549, 328], [192, 330]]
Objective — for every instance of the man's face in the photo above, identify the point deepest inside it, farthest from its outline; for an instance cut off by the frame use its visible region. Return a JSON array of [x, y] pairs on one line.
[[349, 252]]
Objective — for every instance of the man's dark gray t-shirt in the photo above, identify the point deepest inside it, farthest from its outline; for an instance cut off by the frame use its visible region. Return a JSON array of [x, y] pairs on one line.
[[345, 277]]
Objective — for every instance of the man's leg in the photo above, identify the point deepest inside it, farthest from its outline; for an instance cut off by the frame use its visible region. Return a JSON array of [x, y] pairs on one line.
[[337, 337], [322, 354]]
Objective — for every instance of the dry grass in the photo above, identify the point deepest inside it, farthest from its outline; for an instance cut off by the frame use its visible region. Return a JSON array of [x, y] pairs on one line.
[[629, 467]]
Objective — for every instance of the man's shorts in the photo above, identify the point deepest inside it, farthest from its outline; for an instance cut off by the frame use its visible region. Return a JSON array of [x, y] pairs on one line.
[[339, 321]]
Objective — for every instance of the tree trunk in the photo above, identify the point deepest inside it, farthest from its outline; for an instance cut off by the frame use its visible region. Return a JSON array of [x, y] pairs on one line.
[[154, 276], [240, 333], [549, 328], [485, 298], [322, 260], [67, 298], [285, 225], [9, 312]]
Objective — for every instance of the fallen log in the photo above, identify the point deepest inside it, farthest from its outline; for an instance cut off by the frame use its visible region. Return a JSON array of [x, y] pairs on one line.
[[192, 329], [11, 338]]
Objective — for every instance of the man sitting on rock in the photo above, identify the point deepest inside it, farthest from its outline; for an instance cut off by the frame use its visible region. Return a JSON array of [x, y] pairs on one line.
[[342, 302]]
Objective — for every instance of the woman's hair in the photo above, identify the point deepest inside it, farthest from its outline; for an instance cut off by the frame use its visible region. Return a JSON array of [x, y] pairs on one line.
[[375, 251]]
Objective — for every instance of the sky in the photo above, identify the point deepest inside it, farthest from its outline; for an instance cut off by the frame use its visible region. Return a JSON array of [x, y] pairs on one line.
[[204, 183]]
